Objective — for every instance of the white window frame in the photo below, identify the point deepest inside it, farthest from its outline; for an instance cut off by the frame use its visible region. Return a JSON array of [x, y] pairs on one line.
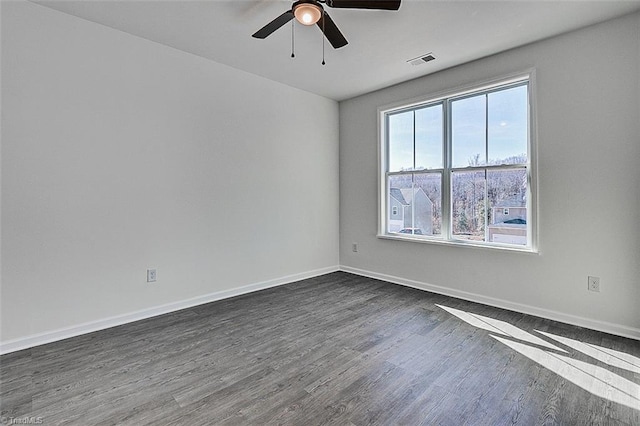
[[532, 168]]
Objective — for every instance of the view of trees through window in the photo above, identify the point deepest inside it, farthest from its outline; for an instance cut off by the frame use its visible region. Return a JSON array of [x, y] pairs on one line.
[[469, 152]]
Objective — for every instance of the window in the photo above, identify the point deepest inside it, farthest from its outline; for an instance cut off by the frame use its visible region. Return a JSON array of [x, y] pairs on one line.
[[457, 168]]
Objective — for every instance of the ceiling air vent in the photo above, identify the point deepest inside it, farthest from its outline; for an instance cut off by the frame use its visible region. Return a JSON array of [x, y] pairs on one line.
[[427, 57]]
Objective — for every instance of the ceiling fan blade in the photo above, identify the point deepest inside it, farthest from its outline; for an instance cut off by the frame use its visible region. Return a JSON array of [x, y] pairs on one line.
[[266, 31], [365, 4], [331, 31]]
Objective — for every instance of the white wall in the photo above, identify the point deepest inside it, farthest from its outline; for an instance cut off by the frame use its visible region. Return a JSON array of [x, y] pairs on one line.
[[120, 154], [588, 94]]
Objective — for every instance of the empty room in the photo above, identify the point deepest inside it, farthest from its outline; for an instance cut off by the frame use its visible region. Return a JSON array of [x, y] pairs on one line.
[[321, 212]]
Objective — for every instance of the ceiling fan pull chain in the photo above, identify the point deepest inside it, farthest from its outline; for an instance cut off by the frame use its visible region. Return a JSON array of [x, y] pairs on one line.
[[323, 21], [293, 55]]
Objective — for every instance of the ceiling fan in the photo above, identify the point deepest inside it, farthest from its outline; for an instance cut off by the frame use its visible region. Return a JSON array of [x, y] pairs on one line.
[[309, 12]]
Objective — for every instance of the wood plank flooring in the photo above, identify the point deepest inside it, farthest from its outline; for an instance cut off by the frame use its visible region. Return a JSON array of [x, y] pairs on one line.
[[333, 350]]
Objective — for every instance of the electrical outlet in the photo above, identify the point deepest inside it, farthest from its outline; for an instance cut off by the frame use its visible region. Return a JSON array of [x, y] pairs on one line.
[[593, 284], [152, 275], [354, 247]]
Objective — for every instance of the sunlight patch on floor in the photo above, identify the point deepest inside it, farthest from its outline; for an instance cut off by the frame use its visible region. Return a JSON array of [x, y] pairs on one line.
[[498, 326], [600, 381], [592, 378], [608, 356]]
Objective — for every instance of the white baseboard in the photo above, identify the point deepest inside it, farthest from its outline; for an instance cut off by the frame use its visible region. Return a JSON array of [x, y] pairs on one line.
[[89, 327], [616, 329]]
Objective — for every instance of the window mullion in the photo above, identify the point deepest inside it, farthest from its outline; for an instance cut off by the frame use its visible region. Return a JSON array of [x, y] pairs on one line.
[[413, 202], [446, 173], [414, 140], [416, 172], [413, 178], [486, 163], [486, 205], [497, 167], [486, 129]]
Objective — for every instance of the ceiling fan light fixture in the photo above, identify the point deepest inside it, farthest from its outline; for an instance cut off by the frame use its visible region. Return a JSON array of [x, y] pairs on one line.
[[307, 13]]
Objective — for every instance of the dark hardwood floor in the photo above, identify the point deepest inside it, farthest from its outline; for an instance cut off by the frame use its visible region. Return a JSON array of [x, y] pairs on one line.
[[333, 350]]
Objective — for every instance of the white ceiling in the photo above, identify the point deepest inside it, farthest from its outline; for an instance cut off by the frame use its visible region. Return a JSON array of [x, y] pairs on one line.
[[380, 42]]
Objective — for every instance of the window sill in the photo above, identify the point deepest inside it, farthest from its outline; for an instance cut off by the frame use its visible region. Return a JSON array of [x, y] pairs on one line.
[[457, 243]]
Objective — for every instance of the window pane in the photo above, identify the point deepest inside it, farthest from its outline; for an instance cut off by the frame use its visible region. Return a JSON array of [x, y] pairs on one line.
[[468, 131], [507, 191], [429, 133], [508, 126], [428, 203], [398, 209], [400, 129], [468, 205]]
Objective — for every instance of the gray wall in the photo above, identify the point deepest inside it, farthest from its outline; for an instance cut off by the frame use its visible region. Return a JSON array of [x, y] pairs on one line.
[[588, 94], [120, 154]]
